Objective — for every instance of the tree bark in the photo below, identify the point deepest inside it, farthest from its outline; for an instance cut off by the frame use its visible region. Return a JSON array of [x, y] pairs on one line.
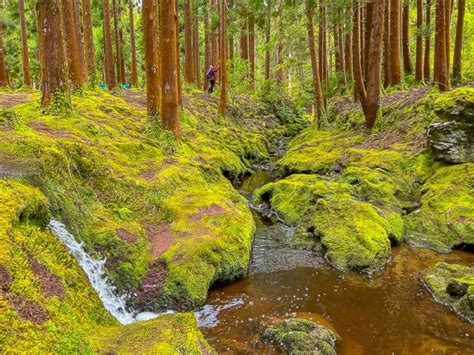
[[188, 44], [178, 52], [169, 61], [395, 67], [427, 59], [244, 41], [318, 93], [120, 68], [459, 37], [407, 66], [223, 59], [24, 45], [109, 70], [440, 65], [447, 33], [386, 48], [359, 86], [251, 24], [369, 12], [3, 65], [268, 29], [207, 44], [152, 57], [323, 46], [196, 51], [372, 101], [73, 46], [88, 39], [55, 69], [419, 41], [133, 46]]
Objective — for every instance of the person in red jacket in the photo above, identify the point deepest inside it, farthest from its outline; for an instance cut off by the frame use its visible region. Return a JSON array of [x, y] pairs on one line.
[[211, 76]]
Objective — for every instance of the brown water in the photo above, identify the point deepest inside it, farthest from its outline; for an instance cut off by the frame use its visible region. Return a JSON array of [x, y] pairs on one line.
[[389, 313]]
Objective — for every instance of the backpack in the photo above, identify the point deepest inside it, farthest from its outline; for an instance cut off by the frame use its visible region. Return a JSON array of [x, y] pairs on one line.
[[209, 75]]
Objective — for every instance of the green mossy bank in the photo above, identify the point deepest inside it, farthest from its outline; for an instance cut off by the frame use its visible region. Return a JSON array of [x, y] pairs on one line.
[[353, 195], [163, 214]]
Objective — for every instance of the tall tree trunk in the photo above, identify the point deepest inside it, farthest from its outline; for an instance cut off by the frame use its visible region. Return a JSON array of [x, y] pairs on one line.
[[120, 64], [447, 33], [3, 65], [55, 69], [24, 45], [395, 67], [152, 57], [73, 46], [207, 44], [169, 61], [323, 43], [252, 47], [339, 56], [369, 12], [88, 39], [223, 59], [244, 41], [178, 52], [109, 70], [427, 59], [407, 66], [348, 52], [386, 45], [268, 29], [133, 46], [459, 37], [372, 101], [441, 65], [359, 86], [214, 36], [318, 93], [196, 51], [231, 35], [419, 41], [188, 44]]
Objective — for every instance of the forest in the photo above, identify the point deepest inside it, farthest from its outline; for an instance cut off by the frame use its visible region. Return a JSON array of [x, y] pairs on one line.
[[237, 176]]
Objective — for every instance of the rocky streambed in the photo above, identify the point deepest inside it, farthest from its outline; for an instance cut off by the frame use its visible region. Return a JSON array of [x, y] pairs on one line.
[[388, 311]]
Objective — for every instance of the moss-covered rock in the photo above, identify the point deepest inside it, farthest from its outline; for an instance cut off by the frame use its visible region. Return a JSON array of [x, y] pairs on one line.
[[167, 334], [451, 138], [452, 285], [301, 336], [446, 216]]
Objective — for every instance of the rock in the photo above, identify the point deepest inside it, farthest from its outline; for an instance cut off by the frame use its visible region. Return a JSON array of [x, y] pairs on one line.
[[452, 285], [451, 139], [296, 335], [445, 219]]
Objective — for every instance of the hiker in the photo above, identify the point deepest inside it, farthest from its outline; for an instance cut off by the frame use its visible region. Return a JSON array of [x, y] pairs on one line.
[[211, 76]]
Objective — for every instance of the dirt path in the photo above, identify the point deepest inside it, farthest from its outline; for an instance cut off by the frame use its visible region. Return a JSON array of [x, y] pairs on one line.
[[8, 100]]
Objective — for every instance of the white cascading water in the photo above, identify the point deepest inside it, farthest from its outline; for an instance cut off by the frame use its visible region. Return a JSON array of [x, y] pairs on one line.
[[95, 271]]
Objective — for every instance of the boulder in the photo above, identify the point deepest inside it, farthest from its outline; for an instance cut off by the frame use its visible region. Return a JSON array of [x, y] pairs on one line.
[[301, 336], [451, 137], [452, 285]]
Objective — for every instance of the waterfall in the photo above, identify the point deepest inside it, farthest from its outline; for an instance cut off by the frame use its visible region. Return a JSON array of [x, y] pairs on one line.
[[95, 271]]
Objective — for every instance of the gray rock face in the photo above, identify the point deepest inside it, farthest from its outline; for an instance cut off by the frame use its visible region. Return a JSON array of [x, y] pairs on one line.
[[452, 141], [451, 138]]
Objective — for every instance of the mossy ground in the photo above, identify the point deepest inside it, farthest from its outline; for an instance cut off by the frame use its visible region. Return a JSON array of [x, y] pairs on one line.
[[353, 194], [160, 212]]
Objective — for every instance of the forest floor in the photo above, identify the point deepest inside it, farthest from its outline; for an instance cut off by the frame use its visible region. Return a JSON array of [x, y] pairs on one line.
[[168, 220]]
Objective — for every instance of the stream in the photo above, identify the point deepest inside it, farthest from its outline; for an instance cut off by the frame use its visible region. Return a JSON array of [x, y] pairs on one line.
[[388, 313]]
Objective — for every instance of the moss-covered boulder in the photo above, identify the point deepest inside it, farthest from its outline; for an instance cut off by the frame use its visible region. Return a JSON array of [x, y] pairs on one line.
[[451, 137], [452, 285], [167, 334], [446, 216], [301, 336]]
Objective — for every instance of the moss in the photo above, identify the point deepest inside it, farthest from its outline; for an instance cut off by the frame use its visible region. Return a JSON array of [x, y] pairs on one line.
[[452, 285], [298, 336], [38, 314], [315, 151], [102, 172], [455, 104], [168, 334], [446, 216]]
